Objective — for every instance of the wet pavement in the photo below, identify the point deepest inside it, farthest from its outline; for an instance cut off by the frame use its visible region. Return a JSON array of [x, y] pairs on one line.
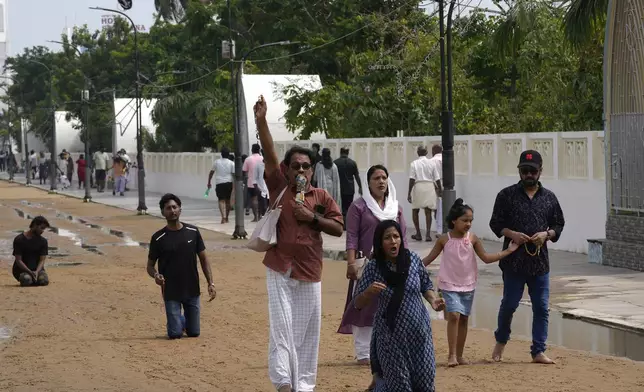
[[594, 308], [563, 331]]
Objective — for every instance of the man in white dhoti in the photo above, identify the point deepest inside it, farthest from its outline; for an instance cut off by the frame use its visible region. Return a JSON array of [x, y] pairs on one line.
[[424, 187], [437, 158], [294, 265]]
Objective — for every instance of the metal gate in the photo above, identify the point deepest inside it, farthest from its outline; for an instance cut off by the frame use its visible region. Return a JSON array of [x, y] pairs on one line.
[[624, 106]]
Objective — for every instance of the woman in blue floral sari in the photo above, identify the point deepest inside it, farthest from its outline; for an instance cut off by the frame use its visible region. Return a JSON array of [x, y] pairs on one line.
[[402, 349]]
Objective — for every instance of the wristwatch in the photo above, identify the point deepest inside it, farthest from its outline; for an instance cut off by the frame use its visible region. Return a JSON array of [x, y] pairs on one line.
[[315, 220]]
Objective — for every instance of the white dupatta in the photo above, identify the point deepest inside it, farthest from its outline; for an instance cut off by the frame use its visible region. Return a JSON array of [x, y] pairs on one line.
[[390, 212]]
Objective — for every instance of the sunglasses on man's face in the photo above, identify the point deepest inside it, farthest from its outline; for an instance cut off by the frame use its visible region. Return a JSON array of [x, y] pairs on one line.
[[529, 170], [298, 166]]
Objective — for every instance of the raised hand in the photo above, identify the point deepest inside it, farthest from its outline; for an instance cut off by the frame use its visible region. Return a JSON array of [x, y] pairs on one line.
[[260, 108]]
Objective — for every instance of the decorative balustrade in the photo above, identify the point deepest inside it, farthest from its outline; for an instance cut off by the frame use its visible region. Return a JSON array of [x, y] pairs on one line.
[[573, 167]]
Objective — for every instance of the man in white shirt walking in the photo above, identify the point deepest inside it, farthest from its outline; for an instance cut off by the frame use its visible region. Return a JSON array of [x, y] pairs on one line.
[[437, 158], [224, 170], [424, 185], [262, 189], [249, 169], [101, 161]]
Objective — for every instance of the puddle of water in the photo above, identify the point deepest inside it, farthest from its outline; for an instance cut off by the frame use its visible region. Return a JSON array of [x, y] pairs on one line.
[[5, 333], [127, 240], [28, 203], [67, 234], [565, 332]]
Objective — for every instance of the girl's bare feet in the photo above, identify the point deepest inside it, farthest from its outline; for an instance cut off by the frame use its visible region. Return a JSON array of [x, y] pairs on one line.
[[543, 359], [452, 361], [497, 354], [462, 361]]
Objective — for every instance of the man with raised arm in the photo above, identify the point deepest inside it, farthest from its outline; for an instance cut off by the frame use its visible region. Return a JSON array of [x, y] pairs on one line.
[[294, 264]]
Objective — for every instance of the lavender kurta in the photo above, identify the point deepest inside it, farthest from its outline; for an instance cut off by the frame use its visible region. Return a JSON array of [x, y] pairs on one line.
[[361, 224]]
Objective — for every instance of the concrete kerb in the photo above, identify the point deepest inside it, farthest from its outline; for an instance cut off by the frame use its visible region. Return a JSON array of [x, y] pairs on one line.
[[602, 319]]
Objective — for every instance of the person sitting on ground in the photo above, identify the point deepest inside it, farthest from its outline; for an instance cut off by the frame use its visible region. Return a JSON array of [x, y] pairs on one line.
[[30, 250]]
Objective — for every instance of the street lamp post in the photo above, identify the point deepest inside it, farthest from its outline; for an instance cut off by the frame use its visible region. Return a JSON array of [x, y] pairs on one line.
[[447, 115], [142, 208], [240, 231], [85, 101], [52, 159]]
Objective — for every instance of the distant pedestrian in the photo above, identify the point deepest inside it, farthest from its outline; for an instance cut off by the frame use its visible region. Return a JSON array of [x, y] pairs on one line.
[[437, 159], [3, 160], [224, 171], [249, 168], [32, 164], [119, 170], [348, 171], [43, 168], [70, 168], [101, 162], [176, 247], [81, 165], [30, 250], [262, 189], [424, 189], [12, 165], [529, 215], [327, 177]]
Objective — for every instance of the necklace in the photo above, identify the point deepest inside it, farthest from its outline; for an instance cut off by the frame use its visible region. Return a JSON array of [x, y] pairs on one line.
[[535, 253]]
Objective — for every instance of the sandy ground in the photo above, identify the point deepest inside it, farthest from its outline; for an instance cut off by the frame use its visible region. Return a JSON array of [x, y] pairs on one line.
[[100, 326]]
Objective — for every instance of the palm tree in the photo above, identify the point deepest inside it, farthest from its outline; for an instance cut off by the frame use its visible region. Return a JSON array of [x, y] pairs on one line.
[[583, 19]]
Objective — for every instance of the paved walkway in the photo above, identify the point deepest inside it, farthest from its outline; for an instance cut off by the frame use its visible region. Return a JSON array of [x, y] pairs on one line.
[[600, 294]]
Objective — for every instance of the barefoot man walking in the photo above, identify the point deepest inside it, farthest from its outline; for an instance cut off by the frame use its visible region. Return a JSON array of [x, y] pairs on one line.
[[530, 215], [294, 265]]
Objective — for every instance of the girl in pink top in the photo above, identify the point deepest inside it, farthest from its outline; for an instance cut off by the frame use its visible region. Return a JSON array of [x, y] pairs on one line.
[[458, 274]]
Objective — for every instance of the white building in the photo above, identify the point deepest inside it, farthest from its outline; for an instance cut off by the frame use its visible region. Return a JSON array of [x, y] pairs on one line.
[[270, 86]]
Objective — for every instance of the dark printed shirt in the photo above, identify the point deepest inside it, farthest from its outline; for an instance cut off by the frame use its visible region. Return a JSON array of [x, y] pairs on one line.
[[176, 251], [514, 210]]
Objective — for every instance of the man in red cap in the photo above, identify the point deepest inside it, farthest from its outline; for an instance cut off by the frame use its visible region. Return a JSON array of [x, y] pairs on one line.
[[529, 215]]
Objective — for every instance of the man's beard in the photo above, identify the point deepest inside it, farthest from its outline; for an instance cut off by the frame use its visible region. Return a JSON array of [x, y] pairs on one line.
[[530, 182]]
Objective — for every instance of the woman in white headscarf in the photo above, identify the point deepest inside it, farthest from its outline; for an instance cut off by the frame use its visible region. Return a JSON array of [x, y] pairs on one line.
[[363, 216]]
